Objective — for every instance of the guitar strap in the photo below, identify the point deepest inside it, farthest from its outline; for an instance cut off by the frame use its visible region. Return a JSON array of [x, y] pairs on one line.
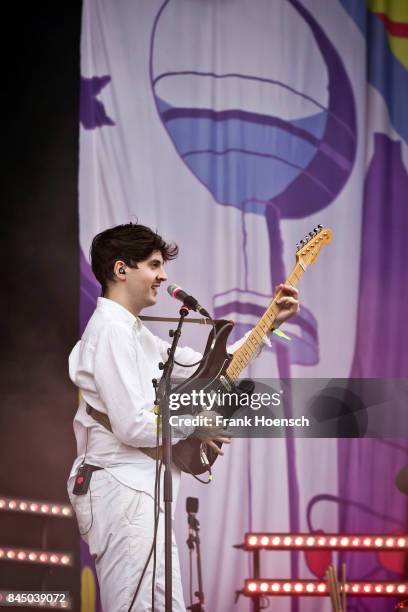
[[104, 420], [203, 321]]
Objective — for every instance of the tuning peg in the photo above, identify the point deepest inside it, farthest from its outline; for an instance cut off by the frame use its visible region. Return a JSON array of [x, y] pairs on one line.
[[320, 226], [311, 234], [297, 246], [307, 238]]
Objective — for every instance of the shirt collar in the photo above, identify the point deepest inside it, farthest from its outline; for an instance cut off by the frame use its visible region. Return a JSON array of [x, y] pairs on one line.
[[119, 313]]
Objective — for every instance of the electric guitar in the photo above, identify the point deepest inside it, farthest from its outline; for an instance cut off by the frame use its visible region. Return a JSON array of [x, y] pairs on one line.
[[221, 371]]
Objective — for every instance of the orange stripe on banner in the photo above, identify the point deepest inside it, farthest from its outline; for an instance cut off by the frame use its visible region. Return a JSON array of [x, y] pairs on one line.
[[395, 28]]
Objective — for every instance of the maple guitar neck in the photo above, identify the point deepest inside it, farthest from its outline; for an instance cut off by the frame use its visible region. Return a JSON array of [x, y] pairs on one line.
[[307, 251], [247, 351]]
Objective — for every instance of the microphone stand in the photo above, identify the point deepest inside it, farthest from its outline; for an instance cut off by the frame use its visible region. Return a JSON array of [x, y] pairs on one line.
[[164, 390], [192, 539]]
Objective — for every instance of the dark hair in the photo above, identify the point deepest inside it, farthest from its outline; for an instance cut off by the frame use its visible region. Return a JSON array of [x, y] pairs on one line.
[[130, 243]]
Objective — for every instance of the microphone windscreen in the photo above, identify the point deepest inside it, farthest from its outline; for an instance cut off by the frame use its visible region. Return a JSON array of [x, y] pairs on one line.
[[192, 505], [171, 288]]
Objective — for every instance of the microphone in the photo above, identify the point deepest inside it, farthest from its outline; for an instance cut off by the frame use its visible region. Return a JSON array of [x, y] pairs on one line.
[[192, 505], [188, 300], [193, 540]]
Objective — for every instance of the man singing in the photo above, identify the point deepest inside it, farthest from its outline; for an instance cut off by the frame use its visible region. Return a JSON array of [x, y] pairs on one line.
[[112, 481]]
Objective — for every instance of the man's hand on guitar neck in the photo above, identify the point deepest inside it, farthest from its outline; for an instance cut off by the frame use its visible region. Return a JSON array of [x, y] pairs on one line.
[[211, 433], [288, 302]]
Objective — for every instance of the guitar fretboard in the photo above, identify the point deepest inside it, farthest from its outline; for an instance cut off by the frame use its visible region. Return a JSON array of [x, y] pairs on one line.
[[249, 348]]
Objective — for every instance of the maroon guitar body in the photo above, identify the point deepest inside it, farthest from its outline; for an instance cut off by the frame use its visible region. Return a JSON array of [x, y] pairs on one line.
[[210, 376]]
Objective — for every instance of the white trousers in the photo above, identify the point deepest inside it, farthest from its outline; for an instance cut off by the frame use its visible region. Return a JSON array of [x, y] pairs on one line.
[[117, 523]]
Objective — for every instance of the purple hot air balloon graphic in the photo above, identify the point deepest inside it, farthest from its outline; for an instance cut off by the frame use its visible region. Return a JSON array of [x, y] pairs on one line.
[[257, 159], [261, 162]]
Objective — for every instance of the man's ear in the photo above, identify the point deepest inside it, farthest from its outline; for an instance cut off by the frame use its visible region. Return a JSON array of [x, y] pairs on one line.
[[119, 269]]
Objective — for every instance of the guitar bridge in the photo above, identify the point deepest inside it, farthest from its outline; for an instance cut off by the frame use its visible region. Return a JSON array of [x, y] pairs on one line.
[[226, 383]]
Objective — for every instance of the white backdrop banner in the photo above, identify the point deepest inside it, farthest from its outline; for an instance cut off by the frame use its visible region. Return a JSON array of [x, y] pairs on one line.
[[234, 128]]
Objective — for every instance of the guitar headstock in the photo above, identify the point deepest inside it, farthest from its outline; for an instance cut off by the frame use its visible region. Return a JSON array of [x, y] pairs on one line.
[[308, 249]]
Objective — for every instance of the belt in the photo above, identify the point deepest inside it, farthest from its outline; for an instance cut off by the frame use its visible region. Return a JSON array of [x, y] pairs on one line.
[[92, 468]]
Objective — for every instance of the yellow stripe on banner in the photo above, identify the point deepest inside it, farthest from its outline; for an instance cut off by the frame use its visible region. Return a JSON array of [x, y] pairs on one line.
[[399, 47], [396, 10], [88, 590]]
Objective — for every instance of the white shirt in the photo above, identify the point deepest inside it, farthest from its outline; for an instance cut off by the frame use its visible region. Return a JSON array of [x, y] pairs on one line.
[[113, 366]]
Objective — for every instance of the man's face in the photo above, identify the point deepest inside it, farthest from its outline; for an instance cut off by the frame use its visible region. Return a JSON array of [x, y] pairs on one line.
[[144, 281]]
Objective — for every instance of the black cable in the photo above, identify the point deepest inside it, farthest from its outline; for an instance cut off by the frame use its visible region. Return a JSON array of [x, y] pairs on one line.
[[200, 479], [156, 522], [154, 541], [92, 518], [216, 334], [86, 446], [187, 470], [145, 567], [90, 488], [156, 506]]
